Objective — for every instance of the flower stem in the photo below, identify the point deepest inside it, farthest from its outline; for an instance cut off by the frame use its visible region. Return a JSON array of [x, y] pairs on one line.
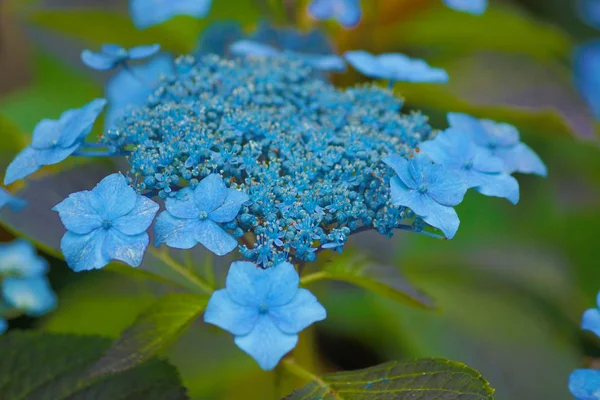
[[315, 276], [182, 270]]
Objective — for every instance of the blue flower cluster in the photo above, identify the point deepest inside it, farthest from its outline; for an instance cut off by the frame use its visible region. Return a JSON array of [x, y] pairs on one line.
[[23, 282], [584, 384]]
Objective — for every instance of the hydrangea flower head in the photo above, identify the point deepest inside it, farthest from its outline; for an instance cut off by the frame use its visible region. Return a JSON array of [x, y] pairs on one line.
[[585, 69], [456, 150], [111, 56], [32, 295], [19, 258], [429, 190], [147, 13], [476, 7], [503, 141], [347, 12], [264, 309], [7, 199], [584, 384], [195, 216], [131, 88], [395, 67], [53, 141], [107, 223]]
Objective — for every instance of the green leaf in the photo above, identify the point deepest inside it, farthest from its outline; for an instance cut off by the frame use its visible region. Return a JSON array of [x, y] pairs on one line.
[[423, 379], [152, 331], [353, 268], [42, 366]]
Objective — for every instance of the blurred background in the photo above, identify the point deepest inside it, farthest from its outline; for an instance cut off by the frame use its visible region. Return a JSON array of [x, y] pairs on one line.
[[512, 285]]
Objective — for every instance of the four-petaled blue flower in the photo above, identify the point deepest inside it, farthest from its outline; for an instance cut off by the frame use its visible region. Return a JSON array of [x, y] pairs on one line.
[[19, 258], [584, 384], [107, 223], [7, 199], [503, 141], [321, 62], [147, 13], [456, 150], [476, 7], [395, 67], [427, 189], [111, 56], [346, 12], [194, 216], [264, 309], [585, 69], [53, 141], [32, 295]]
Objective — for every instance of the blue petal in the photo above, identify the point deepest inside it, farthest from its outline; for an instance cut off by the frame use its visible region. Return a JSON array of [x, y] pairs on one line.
[[485, 161], [215, 238], [499, 185], [402, 68], [585, 69], [24, 164], [139, 219], [218, 37], [115, 51], [46, 133], [591, 321], [467, 123], [32, 295], [302, 311], [78, 123], [7, 199], [442, 217], [98, 61], [3, 325], [84, 252], [19, 258], [499, 134], [131, 88], [365, 63], [351, 14], [141, 52], [223, 312], [54, 155], [210, 193], [476, 7], [113, 197], [230, 208], [244, 47], [266, 343], [521, 158], [126, 248], [327, 63], [148, 13], [403, 196], [589, 12], [444, 186], [183, 204], [77, 214], [346, 12], [584, 384], [400, 165], [452, 148], [250, 285], [175, 232]]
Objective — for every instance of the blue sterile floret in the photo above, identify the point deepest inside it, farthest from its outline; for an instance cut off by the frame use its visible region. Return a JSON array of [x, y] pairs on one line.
[[33, 295], [347, 12], [395, 67], [455, 149], [54, 141], [147, 13], [107, 223], [584, 384], [264, 309], [476, 7], [196, 215], [112, 56], [19, 258], [13, 202], [503, 141]]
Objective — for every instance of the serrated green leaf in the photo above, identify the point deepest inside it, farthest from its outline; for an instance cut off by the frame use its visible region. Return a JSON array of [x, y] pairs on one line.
[[43, 366], [152, 331], [423, 379], [353, 268]]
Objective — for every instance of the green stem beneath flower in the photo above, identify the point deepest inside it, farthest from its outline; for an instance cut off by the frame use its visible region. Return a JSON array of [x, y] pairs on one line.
[[315, 276]]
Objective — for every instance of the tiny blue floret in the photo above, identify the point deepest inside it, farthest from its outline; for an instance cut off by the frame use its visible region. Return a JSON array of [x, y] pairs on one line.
[[264, 309], [111, 56], [395, 67], [347, 12], [429, 190], [54, 141], [32, 295], [147, 13], [13, 202], [503, 141], [19, 258], [107, 223], [476, 7], [195, 216], [456, 150]]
